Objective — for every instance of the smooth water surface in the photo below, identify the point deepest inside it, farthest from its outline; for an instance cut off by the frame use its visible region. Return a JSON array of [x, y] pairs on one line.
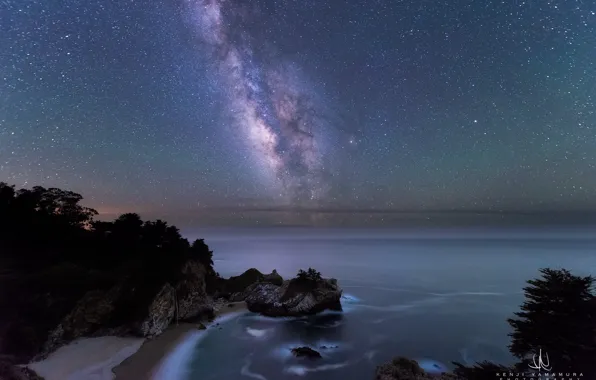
[[434, 296]]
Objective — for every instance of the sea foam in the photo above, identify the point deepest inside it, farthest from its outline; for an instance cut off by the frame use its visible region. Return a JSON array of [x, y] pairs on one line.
[[301, 370], [175, 365]]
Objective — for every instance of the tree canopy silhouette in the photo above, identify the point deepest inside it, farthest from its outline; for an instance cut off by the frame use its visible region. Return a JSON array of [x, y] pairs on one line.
[[52, 252], [559, 318]]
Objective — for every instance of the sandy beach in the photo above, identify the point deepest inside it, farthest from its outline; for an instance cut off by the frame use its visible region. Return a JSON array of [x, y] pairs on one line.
[[109, 357], [144, 363], [87, 358]]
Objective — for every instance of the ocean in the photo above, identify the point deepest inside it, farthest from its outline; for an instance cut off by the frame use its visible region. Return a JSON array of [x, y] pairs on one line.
[[436, 296]]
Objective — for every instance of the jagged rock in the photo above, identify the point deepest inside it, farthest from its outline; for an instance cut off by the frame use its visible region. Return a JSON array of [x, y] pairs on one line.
[[274, 278], [161, 312], [133, 307], [89, 315], [306, 352], [235, 288], [235, 285], [191, 293], [294, 297], [405, 369]]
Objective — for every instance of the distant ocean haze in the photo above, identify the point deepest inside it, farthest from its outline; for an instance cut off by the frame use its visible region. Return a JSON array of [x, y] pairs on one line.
[[435, 295]]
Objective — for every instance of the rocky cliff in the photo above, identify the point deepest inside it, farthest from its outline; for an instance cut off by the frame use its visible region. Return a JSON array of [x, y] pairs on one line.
[[140, 304], [293, 297], [270, 295], [237, 288]]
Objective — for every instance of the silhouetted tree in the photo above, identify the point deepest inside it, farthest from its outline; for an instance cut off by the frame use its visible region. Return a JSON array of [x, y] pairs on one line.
[[7, 194], [310, 275], [201, 252], [559, 318], [58, 252]]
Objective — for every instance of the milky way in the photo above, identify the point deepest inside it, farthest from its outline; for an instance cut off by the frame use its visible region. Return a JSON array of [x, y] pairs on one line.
[[274, 110], [258, 109]]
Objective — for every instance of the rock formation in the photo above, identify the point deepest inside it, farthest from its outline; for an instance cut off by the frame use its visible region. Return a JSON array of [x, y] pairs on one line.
[[235, 288], [270, 295], [294, 297], [306, 352], [405, 369], [274, 278], [131, 308]]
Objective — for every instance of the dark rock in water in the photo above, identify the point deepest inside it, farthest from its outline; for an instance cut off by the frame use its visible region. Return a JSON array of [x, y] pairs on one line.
[[405, 369], [296, 297], [201, 326], [306, 352]]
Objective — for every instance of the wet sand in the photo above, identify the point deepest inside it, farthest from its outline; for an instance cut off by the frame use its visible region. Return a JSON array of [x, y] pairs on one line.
[[144, 363]]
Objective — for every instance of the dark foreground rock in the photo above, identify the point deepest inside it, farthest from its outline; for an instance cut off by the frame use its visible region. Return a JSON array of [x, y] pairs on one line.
[[295, 297], [10, 371], [128, 309], [306, 352], [134, 304], [406, 369]]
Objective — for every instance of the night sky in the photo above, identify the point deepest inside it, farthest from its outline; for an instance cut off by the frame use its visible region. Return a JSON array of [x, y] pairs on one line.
[[227, 111]]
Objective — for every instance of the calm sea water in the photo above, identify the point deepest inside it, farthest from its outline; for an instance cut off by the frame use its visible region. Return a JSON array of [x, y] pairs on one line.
[[433, 295]]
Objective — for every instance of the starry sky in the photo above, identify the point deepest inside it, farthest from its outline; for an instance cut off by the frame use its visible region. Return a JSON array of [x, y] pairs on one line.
[[302, 112]]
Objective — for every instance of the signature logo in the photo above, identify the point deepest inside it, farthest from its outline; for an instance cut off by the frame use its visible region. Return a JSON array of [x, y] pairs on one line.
[[541, 364]]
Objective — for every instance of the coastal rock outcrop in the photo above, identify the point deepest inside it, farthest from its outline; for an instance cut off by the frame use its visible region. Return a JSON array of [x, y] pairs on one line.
[[274, 278], [134, 307], [406, 369], [193, 301], [236, 288], [306, 352], [303, 295]]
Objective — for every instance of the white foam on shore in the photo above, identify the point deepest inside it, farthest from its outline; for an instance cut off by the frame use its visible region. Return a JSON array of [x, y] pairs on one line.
[[245, 371], [258, 333], [301, 370], [348, 298], [262, 318], [370, 354], [176, 365]]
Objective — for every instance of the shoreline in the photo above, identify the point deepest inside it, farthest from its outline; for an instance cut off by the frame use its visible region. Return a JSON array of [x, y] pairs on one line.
[[152, 357], [127, 358]]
